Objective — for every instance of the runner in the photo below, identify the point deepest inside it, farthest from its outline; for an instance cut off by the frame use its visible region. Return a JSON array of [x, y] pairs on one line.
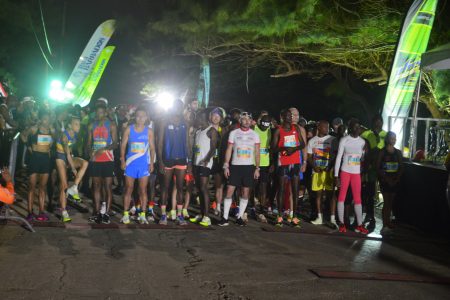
[[265, 135], [321, 155], [174, 152], [216, 117], [40, 140], [102, 140], [65, 159], [137, 162], [287, 142], [244, 147], [352, 149], [389, 168], [205, 145]]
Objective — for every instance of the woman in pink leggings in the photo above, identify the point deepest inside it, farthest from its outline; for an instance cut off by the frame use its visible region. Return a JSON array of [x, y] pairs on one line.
[[348, 161]]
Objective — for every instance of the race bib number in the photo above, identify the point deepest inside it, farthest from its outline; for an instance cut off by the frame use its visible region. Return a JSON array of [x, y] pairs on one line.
[[98, 144], [354, 160], [289, 141], [44, 139], [391, 167], [264, 151], [244, 152], [137, 147]]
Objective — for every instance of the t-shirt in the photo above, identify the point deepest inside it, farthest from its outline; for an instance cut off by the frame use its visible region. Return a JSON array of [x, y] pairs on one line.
[[322, 149], [243, 146], [350, 153]]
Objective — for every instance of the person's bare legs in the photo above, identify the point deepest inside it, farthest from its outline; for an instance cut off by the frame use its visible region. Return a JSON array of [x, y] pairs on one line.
[[107, 183], [62, 173], [129, 185], [43, 178], [31, 191]]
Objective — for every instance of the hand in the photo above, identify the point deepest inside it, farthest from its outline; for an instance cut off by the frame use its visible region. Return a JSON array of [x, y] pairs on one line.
[[5, 174], [303, 168], [256, 174], [317, 170], [74, 172], [162, 168], [123, 164], [271, 169], [226, 172], [337, 182], [290, 150], [151, 168]]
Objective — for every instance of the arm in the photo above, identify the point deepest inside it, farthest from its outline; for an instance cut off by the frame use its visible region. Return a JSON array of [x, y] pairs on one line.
[[274, 142], [160, 147], [226, 163], [214, 137], [7, 194], [6, 116], [114, 143], [151, 141], [366, 157], [123, 147], [339, 156], [257, 160]]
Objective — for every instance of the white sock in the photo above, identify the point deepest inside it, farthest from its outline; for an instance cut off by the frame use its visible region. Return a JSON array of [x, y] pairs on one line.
[[333, 219], [218, 208], [226, 207], [358, 213], [242, 206], [319, 216], [341, 211]]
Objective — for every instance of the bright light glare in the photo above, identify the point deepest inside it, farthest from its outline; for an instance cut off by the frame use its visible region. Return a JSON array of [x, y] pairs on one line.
[[165, 100], [56, 91]]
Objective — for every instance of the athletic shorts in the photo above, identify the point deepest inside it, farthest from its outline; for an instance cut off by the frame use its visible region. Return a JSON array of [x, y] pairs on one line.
[[176, 167], [137, 170], [289, 170], [264, 175], [101, 169], [241, 176], [39, 163], [216, 167], [386, 188], [180, 164], [322, 181], [61, 156], [200, 171]]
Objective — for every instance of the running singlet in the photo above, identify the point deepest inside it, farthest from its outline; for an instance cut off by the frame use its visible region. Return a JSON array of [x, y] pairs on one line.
[[390, 162], [243, 146], [70, 142], [40, 139], [264, 137], [174, 144], [101, 137], [350, 153], [289, 139], [138, 147], [202, 146], [321, 149]]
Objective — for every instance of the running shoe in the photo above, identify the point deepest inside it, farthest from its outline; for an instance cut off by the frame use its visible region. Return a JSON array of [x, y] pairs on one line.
[[223, 222], [30, 217], [173, 215], [150, 215], [295, 222], [245, 217], [213, 205], [185, 213], [42, 217], [95, 218], [163, 220], [275, 211], [65, 216], [317, 221], [142, 220], [73, 193], [262, 218], [269, 211], [361, 229], [333, 224], [342, 228], [125, 219], [181, 221], [206, 222], [279, 221], [195, 219], [106, 219], [240, 222], [103, 208]]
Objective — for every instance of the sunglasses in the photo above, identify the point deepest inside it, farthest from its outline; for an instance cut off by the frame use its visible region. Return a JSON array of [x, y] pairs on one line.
[[245, 115]]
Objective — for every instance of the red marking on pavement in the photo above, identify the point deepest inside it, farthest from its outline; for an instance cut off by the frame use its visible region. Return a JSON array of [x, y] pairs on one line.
[[330, 274], [348, 234]]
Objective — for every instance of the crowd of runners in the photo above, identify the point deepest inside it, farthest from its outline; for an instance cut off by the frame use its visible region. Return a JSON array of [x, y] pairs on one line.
[[161, 161]]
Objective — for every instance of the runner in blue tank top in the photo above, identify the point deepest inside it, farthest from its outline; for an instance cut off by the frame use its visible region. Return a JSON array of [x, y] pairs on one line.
[[138, 161]]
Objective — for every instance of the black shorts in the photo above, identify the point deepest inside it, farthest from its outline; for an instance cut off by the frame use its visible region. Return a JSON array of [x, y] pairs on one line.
[[289, 170], [216, 167], [39, 163], [101, 169], [200, 171], [264, 175], [61, 156], [241, 176], [386, 188]]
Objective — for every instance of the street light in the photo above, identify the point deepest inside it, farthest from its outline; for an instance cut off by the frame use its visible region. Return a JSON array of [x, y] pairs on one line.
[[165, 100], [56, 92]]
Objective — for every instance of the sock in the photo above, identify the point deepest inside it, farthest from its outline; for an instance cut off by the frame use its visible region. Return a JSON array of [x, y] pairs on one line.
[[319, 216], [151, 204], [333, 219], [218, 207], [341, 211], [142, 214], [179, 210], [358, 213], [242, 206], [126, 213], [291, 214], [163, 210], [185, 212], [226, 207]]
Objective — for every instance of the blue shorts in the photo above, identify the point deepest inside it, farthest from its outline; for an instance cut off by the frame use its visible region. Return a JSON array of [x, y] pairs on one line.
[[136, 170]]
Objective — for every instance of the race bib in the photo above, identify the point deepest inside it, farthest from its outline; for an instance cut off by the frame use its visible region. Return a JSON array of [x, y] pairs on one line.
[[244, 152], [391, 167], [44, 139], [98, 144], [289, 141], [137, 147], [264, 151], [354, 160]]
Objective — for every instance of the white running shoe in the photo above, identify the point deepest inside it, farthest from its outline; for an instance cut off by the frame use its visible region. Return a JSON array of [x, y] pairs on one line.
[[125, 219], [334, 224], [317, 221], [245, 217], [262, 218], [142, 220]]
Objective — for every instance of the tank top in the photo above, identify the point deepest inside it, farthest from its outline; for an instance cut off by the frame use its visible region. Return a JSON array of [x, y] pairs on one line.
[[70, 142], [264, 153], [174, 144], [40, 139], [202, 146], [101, 137], [289, 139], [138, 147], [389, 162]]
